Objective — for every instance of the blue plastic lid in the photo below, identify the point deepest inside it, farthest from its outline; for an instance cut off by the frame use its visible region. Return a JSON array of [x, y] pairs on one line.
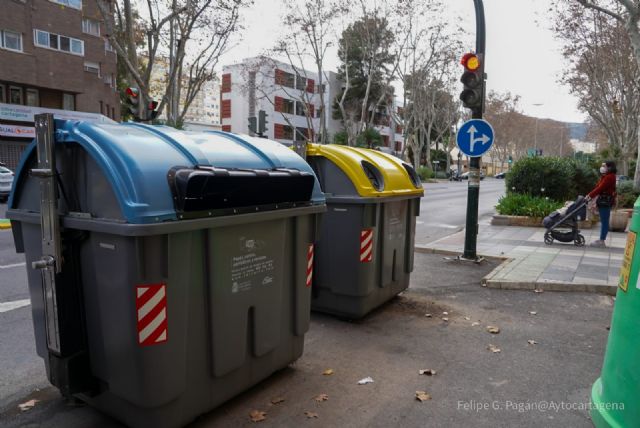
[[136, 158]]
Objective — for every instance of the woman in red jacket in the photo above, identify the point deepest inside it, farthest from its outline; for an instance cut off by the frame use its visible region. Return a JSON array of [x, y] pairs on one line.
[[606, 193]]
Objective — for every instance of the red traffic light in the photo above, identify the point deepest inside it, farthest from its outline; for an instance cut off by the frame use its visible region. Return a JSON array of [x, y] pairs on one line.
[[470, 61], [133, 92]]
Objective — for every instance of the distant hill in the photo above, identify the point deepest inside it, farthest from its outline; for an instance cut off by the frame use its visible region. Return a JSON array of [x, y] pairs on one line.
[[577, 131]]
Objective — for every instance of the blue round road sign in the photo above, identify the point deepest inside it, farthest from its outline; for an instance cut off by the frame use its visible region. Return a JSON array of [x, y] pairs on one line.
[[475, 137]]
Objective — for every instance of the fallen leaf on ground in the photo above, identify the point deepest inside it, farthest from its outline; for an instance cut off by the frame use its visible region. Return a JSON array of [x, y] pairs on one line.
[[365, 381], [328, 372], [428, 372], [427, 315], [537, 290], [532, 342], [311, 415], [27, 405], [475, 323], [277, 400], [322, 397], [258, 416], [532, 312], [493, 348], [493, 329], [422, 396], [467, 318]]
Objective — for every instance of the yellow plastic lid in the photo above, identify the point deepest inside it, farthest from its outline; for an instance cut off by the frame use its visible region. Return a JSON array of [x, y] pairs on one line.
[[396, 180]]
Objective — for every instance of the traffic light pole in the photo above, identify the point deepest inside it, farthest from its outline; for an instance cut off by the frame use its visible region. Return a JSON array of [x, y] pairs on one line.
[[473, 191]]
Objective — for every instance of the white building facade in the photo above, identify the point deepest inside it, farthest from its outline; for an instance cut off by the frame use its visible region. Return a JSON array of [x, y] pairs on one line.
[[290, 97]]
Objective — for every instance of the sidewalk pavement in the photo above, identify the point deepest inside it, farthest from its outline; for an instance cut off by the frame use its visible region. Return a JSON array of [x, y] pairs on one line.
[[530, 264]]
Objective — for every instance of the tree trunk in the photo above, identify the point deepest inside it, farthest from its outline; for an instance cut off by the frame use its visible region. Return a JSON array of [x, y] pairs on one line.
[[636, 177]]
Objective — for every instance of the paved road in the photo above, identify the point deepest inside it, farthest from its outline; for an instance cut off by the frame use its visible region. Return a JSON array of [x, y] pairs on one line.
[[444, 206]]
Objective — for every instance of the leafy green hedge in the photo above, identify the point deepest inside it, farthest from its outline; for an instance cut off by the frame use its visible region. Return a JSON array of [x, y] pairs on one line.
[[558, 179], [425, 173], [627, 195], [526, 205]]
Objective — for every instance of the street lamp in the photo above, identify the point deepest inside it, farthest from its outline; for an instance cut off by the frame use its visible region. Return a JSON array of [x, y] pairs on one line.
[[535, 134]]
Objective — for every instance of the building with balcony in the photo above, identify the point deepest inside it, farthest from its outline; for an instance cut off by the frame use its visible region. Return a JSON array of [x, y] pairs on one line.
[[53, 55]]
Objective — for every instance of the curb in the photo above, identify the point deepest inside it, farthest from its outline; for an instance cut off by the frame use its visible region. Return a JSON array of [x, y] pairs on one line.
[[549, 286], [430, 250], [524, 285]]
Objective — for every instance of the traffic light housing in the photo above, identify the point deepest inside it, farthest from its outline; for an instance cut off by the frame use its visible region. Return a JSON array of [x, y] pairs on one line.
[[152, 111], [510, 159], [472, 95], [262, 122], [133, 102], [253, 125]]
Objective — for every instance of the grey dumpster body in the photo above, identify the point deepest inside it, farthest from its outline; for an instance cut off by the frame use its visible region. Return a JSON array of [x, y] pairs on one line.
[[184, 273], [364, 255]]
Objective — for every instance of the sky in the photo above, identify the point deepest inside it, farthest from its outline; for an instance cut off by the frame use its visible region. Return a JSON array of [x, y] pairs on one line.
[[522, 56]]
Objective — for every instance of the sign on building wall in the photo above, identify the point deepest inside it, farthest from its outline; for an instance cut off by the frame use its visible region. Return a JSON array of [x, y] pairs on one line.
[[17, 131], [19, 113]]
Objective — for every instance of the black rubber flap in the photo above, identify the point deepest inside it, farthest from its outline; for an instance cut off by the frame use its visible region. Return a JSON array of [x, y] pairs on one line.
[[208, 188]]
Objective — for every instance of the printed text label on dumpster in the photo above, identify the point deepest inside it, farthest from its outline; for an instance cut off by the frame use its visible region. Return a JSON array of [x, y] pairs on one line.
[[251, 269]]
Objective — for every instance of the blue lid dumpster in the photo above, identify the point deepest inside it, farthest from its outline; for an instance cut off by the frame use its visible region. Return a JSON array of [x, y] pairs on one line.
[[167, 269], [364, 253]]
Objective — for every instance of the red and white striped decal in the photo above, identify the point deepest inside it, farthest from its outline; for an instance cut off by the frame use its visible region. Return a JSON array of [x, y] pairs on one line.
[[151, 307], [366, 245], [310, 265]]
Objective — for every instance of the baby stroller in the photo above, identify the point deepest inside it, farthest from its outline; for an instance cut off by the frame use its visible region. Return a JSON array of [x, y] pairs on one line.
[[562, 225]]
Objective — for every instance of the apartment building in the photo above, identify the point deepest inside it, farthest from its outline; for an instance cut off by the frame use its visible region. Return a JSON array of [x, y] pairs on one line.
[[290, 97], [205, 107], [53, 54]]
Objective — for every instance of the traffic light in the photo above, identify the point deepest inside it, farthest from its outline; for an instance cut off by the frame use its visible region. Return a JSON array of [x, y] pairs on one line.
[[472, 79], [152, 113], [133, 102], [253, 125], [262, 122], [510, 159]]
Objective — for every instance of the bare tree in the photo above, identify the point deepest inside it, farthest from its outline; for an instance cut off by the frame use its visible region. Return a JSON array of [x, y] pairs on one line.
[[616, 115], [191, 33], [312, 25]]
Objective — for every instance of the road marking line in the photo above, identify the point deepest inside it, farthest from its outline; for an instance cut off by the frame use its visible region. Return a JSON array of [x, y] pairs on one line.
[[13, 265], [9, 306]]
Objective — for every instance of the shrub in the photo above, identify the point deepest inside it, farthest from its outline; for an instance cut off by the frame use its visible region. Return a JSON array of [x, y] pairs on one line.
[[627, 195], [584, 178], [557, 178], [425, 173], [369, 138], [532, 206]]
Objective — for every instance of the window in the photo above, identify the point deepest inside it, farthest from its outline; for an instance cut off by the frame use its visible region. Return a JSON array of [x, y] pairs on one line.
[[92, 67], [33, 98], [301, 82], [284, 79], [287, 106], [15, 95], [2, 94], [76, 4], [226, 128], [300, 109], [11, 40], [68, 102], [287, 132], [107, 45], [89, 26], [302, 134], [57, 42]]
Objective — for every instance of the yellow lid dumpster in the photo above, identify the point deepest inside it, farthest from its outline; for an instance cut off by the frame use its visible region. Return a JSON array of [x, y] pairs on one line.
[[364, 256]]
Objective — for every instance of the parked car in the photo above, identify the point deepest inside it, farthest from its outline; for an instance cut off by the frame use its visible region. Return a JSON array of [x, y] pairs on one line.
[[6, 180], [465, 176], [500, 175]]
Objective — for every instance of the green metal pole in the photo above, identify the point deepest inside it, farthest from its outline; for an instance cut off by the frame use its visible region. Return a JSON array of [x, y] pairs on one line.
[[473, 190]]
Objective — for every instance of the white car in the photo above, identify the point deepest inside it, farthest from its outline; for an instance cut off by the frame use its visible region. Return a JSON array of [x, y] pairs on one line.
[[6, 180]]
